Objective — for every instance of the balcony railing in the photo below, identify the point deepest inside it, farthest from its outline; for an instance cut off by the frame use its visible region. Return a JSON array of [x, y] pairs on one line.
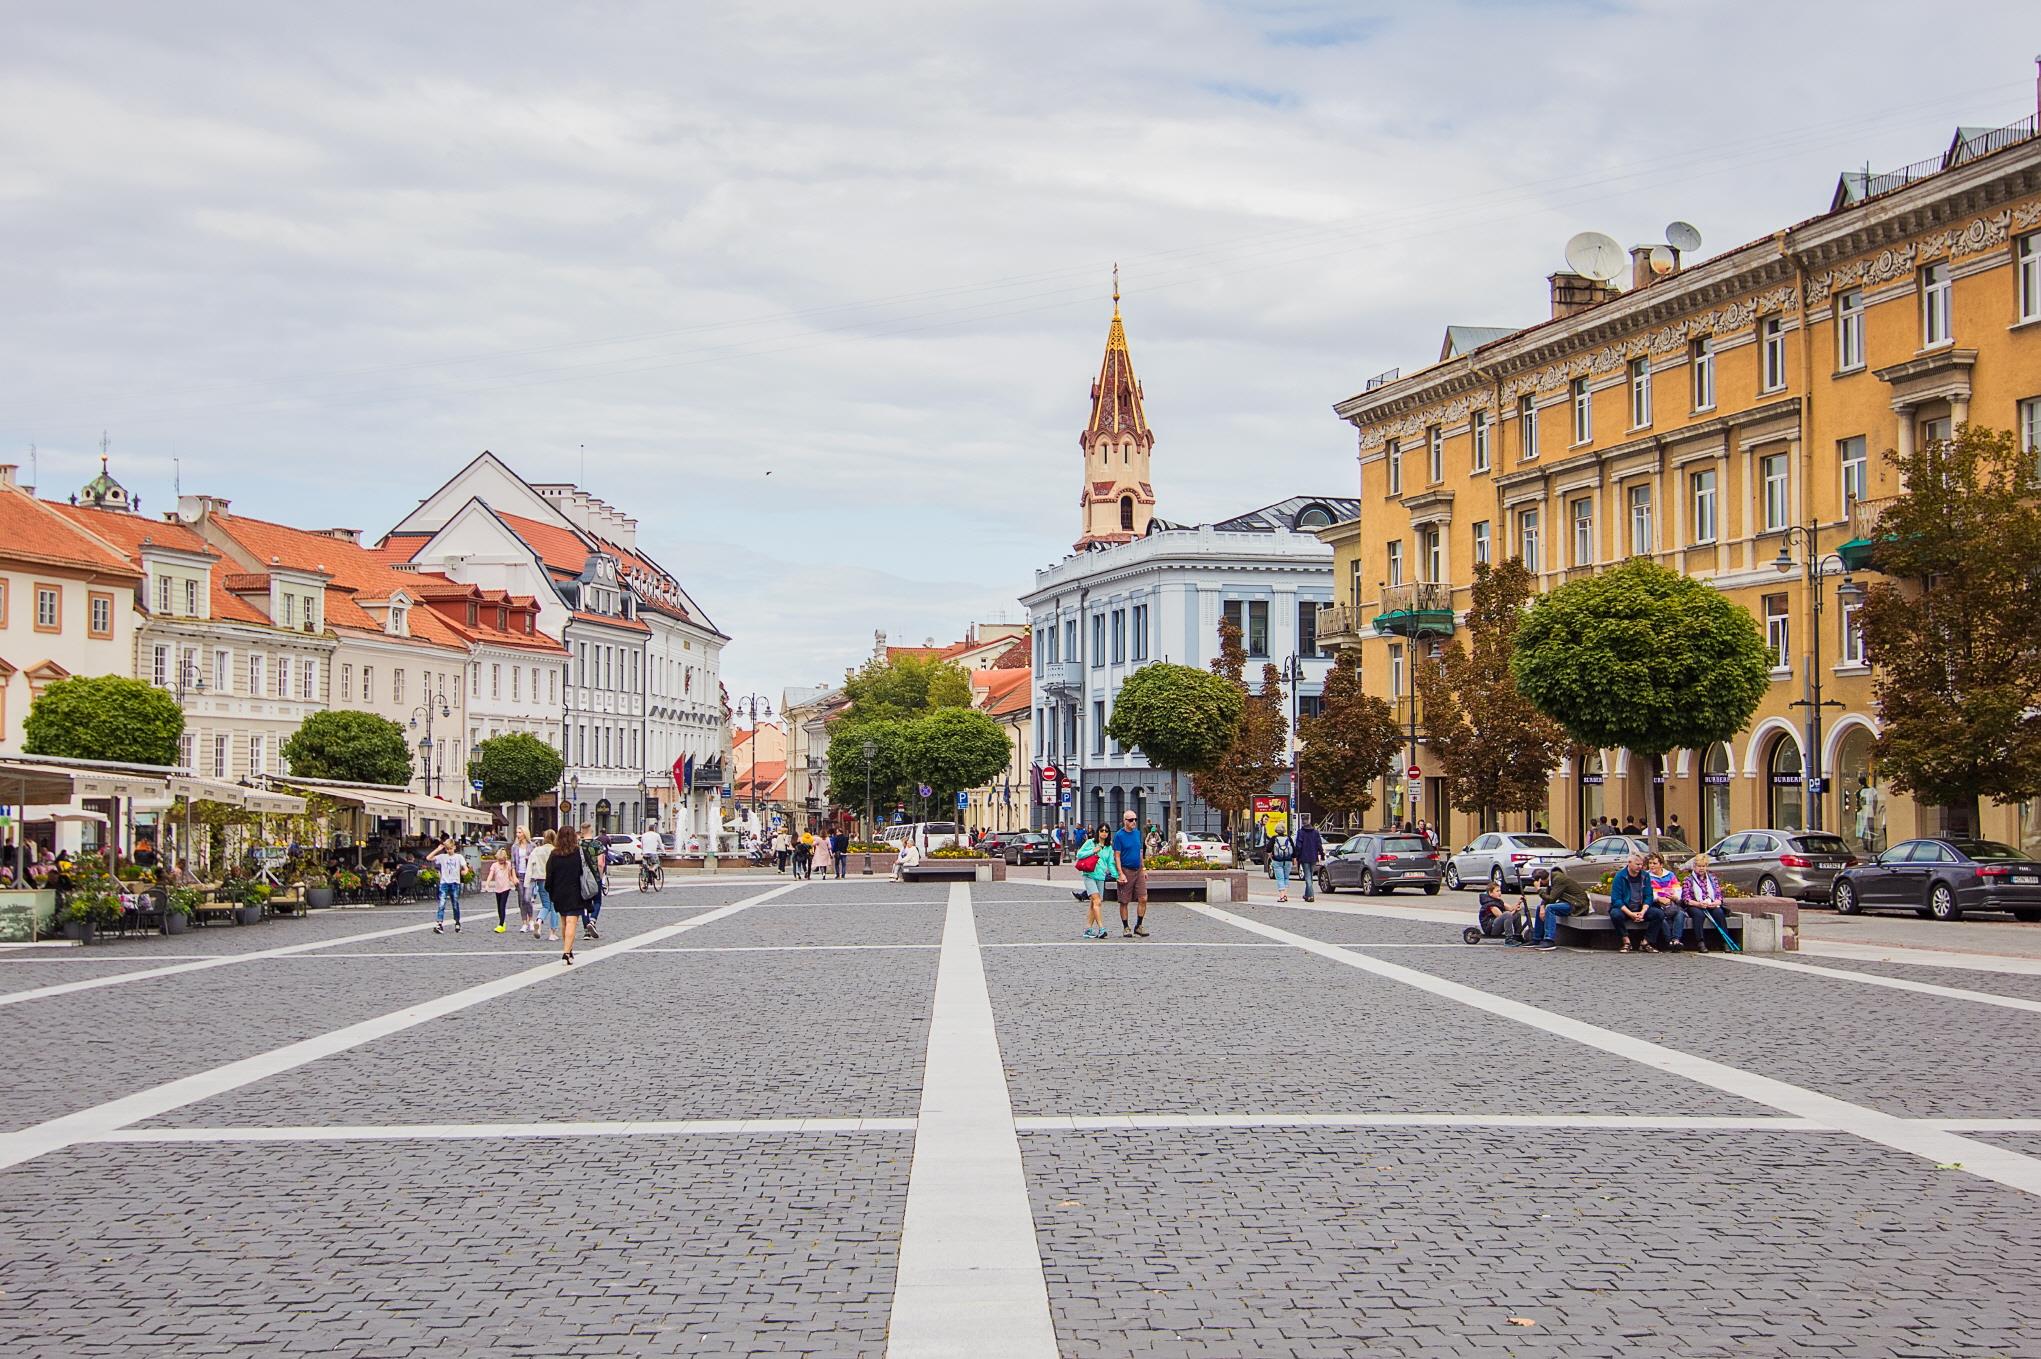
[[1857, 186], [1338, 624], [1066, 675], [1406, 708], [1865, 518], [1419, 609]]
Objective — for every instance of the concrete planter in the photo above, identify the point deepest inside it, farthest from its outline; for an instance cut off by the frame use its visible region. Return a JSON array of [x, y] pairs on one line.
[[319, 898], [174, 922], [1219, 884]]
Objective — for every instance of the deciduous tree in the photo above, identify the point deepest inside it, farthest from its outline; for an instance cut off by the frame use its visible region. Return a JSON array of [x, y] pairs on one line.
[[104, 718], [1952, 631], [1497, 750], [1180, 718], [515, 768], [904, 685], [352, 746], [1350, 744], [1254, 757]]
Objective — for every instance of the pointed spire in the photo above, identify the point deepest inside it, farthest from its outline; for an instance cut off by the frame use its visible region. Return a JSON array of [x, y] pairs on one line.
[[1116, 396]]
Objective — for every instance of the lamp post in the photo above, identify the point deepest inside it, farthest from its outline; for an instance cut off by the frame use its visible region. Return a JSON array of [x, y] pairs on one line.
[[1815, 567], [435, 705], [573, 817], [189, 680], [871, 749], [757, 709], [1293, 675]]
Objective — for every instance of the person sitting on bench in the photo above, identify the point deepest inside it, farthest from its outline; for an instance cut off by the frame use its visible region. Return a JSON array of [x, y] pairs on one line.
[[1704, 902], [1631, 909], [1560, 896]]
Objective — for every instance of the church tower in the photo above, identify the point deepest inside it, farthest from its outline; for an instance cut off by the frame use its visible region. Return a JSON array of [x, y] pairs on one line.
[[1118, 501]]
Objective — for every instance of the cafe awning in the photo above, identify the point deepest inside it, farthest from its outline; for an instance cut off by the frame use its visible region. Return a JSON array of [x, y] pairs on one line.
[[378, 799], [236, 795], [45, 781], [448, 813]]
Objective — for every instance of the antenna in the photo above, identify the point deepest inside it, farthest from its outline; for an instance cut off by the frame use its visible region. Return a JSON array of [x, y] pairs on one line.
[[1682, 237], [1591, 254], [34, 468], [177, 477], [1662, 261]]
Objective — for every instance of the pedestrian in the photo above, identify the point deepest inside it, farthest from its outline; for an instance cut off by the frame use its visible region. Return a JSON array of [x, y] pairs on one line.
[[1561, 897], [839, 852], [1094, 865], [596, 859], [1631, 911], [1127, 848], [520, 865], [782, 850], [804, 855], [1672, 828], [500, 879], [566, 876], [543, 916], [1309, 849], [1703, 893], [448, 863], [1282, 850]]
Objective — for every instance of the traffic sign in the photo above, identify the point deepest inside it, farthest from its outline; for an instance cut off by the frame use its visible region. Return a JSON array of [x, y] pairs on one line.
[[1413, 772], [923, 791], [475, 784], [963, 800]]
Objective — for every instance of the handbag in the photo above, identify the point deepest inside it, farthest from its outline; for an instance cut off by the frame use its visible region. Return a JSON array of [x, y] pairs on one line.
[[1088, 864], [590, 888]]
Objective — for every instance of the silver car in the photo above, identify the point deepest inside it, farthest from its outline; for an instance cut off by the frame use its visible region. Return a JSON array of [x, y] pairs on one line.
[[1508, 855], [1782, 863], [1610, 852]]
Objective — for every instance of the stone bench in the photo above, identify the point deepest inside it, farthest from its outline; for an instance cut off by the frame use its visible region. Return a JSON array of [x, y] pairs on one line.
[[1192, 884], [1758, 924], [947, 870]]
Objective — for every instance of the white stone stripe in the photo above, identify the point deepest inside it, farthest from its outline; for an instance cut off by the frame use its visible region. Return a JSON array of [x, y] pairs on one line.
[[1143, 944], [1977, 1158], [102, 1119], [1897, 983], [1919, 957], [222, 960], [1985, 1124], [434, 1132], [1667, 1122], [970, 1276], [528, 954]]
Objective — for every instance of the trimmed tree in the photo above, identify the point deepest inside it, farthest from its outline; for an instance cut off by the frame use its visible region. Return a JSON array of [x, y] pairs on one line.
[[1180, 718], [952, 750], [1642, 658], [1958, 670], [515, 768], [847, 739], [351, 746], [1351, 743], [905, 685], [104, 717], [1498, 751]]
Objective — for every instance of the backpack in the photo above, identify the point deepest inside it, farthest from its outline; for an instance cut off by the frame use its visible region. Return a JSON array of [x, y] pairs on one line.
[[1281, 849]]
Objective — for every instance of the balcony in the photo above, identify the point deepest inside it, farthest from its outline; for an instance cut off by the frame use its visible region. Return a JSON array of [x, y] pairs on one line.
[[1063, 677], [1339, 625], [1864, 518], [1409, 713], [1424, 609]]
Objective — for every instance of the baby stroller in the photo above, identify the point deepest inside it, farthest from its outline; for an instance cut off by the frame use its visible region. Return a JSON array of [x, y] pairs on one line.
[[1493, 919]]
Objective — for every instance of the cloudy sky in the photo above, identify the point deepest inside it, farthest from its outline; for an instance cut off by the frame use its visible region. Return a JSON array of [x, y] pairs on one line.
[[817, 290]]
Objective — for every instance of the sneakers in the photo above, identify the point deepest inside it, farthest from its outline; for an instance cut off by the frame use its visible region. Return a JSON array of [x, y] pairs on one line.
[[457, 927], [1126, 933], [1547, 946], [588, 928], [502, 928], [438, 928], [1140, 930]]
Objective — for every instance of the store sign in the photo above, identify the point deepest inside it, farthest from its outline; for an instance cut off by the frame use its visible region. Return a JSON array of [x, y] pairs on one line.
[[1591, 780], [1785, 780], [1715, 780]]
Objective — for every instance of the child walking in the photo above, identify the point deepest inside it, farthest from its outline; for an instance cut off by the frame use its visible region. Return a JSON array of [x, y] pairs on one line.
[[501, 880], [449, 865]]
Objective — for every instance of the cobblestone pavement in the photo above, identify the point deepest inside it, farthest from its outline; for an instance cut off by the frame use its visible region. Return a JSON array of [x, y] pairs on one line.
[[415, 1144]]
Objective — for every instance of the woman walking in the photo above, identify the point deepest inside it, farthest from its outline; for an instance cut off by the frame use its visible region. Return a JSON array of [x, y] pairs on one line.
[[520, 867], [596, 859], [1095, 863], [500, 879], [563, 885], [1282, 850], [544, 918]]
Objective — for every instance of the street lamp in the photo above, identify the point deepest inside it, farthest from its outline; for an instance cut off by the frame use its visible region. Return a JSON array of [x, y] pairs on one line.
[[871, 749], [573, 802], [1293, 675], [435, 705], [1847, 593], [189, 680], [757, 709]]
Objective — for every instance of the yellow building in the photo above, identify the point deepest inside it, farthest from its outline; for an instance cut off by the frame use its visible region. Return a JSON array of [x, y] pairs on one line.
[[1711, 417]]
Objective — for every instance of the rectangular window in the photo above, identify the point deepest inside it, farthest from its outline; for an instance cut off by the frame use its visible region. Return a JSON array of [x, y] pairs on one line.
[[290, 610], [581, 663], [1772, 354], [516, 684], [255, 676], [1849, 330], [1853, 635], [159, 667], [191, 599], [1480, 431], [1119, 636], [283, 677], [1394, 564], [2030, 425], [1527, 539], [1069, 639], [1779, 632], [495, 680], [1935, 431], [1307, 628], [397, 686], [1583, 412], [49, 608], [258, 754], [2028, 258], [1054, 635], [187, 748], [3, 603], [1936, 293], [368, 684], [1527, 426], [1098, 640], [1702, 486], [1395, 670], [1258, 627], [1435, 454], [1432, 546], [99, 614], [223, 671], [163, 595], [1641, 542], [1640, 393], [219, 757], [1098, 726], [1394, 454], [1856, 467], [1772, 469], [1140, 632], [1482, 550], [1703, 360], [1582, 513], [308, 679]]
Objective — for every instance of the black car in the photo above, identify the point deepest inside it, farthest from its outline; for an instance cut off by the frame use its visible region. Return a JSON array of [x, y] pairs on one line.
[[1025, 847], [1941, 879]]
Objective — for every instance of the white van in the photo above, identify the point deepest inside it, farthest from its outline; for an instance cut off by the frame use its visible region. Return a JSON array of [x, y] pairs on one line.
[[929, 835]]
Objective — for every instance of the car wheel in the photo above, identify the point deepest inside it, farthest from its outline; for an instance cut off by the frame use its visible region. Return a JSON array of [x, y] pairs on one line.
[[1367, 883], [1431, 889], [1452, 877], [1846, 902], [2026, 915], [1325, 883], [1942, 903], [1768, 886]]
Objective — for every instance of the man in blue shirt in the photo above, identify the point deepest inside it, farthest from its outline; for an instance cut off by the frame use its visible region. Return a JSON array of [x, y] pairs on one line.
[[1127, 850], [1310, 848]]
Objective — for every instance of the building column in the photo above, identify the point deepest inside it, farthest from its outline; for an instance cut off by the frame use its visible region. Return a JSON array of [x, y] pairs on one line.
[[1907, 435]]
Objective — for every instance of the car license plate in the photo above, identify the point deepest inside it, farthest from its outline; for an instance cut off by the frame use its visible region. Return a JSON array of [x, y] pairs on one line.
[[2027, 879], [1828, 865]]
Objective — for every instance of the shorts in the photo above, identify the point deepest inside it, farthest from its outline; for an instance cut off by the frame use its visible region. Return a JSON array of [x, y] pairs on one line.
[[1134, 885]]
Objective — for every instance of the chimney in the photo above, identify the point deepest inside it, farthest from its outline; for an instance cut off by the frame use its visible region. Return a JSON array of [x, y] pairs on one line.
[[1573, 294], [1642, 275], [344, 535], [192, 508], [7, 473]]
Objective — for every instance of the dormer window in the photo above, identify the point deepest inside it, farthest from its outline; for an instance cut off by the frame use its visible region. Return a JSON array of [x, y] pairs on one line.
[[290, 610], [400, 621]]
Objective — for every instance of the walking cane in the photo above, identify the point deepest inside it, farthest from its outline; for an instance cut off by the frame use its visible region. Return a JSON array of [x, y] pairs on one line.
[[1723, 930]]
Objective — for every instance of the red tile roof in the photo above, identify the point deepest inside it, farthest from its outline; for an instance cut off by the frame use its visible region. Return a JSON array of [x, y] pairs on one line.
[[1001, 691], [561, 549], [610, 621], [128, 533], [33, 531], [356, 574]]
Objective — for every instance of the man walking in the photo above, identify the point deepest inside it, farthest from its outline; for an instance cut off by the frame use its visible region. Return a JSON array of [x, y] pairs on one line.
[[1128, 848], [839, 852], [1310, 849]]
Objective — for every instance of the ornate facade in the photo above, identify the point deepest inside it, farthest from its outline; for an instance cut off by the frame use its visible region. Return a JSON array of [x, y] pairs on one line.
[[1117, 500]]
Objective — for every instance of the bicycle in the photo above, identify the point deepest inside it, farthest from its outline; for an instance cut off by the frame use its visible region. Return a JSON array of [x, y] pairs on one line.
[[651, 876]]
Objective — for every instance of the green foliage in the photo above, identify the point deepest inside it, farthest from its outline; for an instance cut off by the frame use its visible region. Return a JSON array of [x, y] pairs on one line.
[[949, 749], [1179, 718], [1498, 751], [1952, 634], [1253, 759], [515, 768], [183, 900], [428, 877], [847, 739], [1350, 744], [905, 686], [1642, 658], [354, 747], [104, 718], [95, 896]]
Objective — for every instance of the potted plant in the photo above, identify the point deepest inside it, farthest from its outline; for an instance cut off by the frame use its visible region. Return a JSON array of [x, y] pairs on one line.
[[428, 878], [178, 904], [347, 883], [318, 887]]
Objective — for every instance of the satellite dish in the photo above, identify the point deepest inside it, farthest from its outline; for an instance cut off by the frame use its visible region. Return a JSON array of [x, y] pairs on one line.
[[1661, 260], [1682, 237], [1594, 255]]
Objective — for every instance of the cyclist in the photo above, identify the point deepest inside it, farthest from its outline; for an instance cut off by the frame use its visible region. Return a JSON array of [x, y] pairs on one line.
[[651, 872]]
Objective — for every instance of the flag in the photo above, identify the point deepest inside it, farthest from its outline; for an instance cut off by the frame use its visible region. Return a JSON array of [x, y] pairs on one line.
[[683, 773]]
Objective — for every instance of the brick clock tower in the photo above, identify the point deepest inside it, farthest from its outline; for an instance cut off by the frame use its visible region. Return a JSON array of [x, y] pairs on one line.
[[1117, 501]]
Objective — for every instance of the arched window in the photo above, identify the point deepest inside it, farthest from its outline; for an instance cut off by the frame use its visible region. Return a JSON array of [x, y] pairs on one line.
[[1313, 517], [1787, 802], [1127, 513], [1714, 795]]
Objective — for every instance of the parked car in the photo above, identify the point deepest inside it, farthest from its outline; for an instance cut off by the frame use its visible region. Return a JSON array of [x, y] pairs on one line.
[[622, 849], [1508, 855], [1210, 848], [1941, 879], [1381, 862], [993, 843], [1608, 853], [1781, 863], [1025, 847], [1332, 840], [930, 835]]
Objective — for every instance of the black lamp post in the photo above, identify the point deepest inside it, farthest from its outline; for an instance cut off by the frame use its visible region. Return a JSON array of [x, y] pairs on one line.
[[434, 705], [1847, 593], [871, 749], [189, 680], [757, 709]]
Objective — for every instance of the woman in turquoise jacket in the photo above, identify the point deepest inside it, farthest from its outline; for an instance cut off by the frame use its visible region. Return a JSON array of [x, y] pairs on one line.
[[1097, 847]]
